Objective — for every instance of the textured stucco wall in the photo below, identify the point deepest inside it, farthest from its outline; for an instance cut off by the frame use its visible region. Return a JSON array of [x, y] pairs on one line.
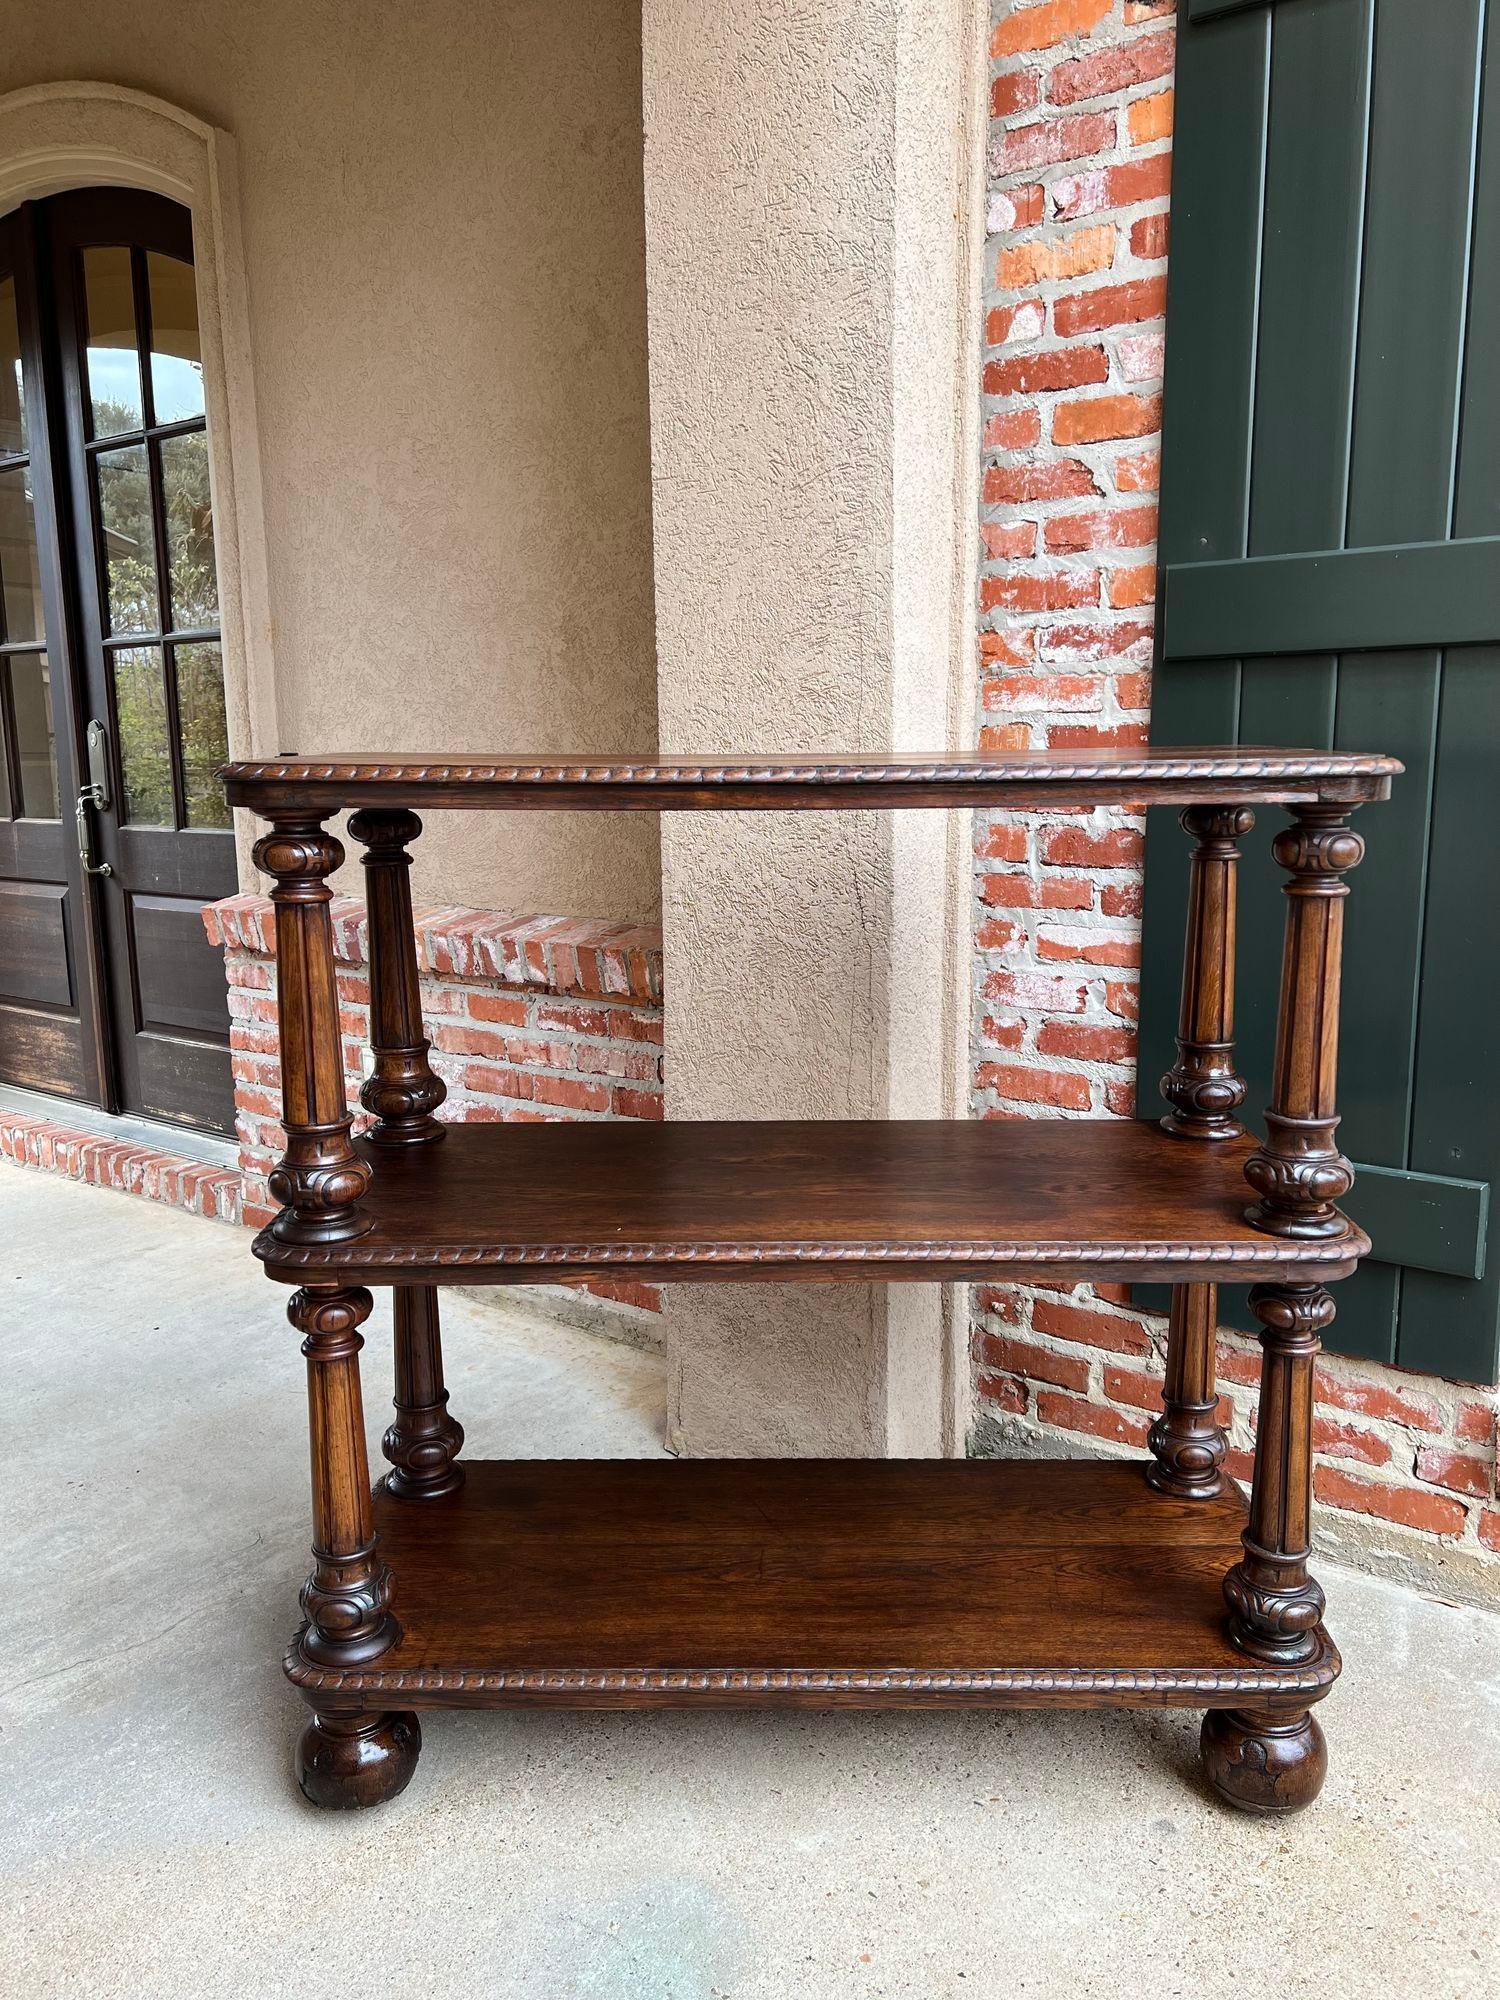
[[443, 241], [811, 267]]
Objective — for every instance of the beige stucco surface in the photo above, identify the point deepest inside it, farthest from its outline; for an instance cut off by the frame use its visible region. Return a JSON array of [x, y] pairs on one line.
[[443, 250], [810, 268]]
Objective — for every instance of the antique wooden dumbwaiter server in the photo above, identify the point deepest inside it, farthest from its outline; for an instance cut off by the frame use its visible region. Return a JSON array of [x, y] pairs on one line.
[[470, 1584]]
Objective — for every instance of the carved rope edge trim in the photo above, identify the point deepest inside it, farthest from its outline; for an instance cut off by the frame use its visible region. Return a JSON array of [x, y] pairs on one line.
[[357, 1254], [1317, 1676], [1334, 765]]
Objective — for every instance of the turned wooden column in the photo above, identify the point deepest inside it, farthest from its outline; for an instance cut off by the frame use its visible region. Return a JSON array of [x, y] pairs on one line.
[[1187, 1440], [424, 1441], [1297, 1169], [347, 1598], [1202, 1086], [402, 1092], [320, 1178], [1274, 1605], [1204, 1090]]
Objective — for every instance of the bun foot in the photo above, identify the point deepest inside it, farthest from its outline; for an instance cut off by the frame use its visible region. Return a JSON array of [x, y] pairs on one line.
[[346, 1761], [1263, 1762]]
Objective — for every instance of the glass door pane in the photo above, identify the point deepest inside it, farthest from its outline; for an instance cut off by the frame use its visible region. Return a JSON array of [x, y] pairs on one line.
[[28, 745], [36, 744], [113, 359]]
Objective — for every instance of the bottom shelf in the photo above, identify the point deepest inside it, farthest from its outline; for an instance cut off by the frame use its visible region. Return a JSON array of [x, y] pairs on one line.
[[860, 1583]]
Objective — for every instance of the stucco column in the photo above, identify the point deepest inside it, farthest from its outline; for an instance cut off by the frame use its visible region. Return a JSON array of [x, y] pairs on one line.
[[813, 245]]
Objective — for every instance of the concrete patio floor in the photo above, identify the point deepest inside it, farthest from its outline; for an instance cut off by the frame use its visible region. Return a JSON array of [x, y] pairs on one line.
[[153, 1843]]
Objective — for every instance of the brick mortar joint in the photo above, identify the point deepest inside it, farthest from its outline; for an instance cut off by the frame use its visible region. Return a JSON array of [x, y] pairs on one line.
[[1079, 212], [484, 948]]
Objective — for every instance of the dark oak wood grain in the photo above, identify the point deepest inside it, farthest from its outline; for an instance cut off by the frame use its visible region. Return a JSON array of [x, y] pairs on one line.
[[692, 784], [839, 1582], [518, 1204], [1275, 1607], [1203, 1087], [401, 1092], [346, 1600], [860, 1583], [1264, 1762], [319, 1177], [1187, 1440], [1298, 1170], [424, 1442]]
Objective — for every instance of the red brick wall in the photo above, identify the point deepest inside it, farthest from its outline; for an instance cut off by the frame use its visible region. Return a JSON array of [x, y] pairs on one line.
[[1080, 144], [534, 1018], [53, 1146]]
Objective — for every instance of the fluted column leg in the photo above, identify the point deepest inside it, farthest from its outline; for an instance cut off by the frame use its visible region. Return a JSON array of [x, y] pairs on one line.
[[1187, 1440], [344, 1758], [1269, 1760], [347, 1597], [1298, 1170], [320, 1177], [402, 1092], [424, 1441], [1274, 1605], [1203, 1087]]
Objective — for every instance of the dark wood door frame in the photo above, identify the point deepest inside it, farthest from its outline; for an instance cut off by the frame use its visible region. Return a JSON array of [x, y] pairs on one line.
[[92, 1073], [150, 1025]]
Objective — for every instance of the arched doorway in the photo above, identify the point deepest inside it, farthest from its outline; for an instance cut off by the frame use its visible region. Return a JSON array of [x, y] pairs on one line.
[[113, 833]]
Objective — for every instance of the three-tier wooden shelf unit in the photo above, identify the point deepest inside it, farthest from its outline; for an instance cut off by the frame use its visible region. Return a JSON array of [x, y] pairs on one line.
[[870, 1583]]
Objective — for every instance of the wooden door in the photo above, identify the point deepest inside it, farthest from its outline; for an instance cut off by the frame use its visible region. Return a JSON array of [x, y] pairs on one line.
[[1330, 549], [49, 1023], [150, 683]]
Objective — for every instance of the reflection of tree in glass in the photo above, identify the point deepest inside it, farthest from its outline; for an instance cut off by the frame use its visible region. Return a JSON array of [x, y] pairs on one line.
[[190, 531], [135, 606], [141, 716], [125, 517], [129, 547], [205, 743]]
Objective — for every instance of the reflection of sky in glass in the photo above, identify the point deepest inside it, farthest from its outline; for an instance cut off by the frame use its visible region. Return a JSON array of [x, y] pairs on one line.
[[178, 384], [114, 378], [176, 387]]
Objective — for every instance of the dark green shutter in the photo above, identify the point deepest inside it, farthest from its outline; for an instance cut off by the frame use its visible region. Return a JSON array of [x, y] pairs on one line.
[[1330, 549]]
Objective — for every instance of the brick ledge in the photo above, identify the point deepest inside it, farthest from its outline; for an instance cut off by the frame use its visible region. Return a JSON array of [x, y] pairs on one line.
[[590, 957], [129, 1168]]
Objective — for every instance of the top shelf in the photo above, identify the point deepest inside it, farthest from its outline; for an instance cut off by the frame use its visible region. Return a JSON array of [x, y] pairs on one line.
[[1212, 776]]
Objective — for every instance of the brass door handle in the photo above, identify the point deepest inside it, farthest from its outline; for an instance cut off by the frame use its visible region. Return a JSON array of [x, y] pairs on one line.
[[88, 795]]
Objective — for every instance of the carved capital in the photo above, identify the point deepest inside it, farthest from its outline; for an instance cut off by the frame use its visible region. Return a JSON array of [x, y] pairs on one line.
[[1294, 1317], [300, 856], [1299, 1174], [346, 1602], [401, 1095], [385, 834], [1317, 849], [1204, 1090], [1217, 828], [1188, 1447], [319, 1179], [331, 1320], [421, 1446], [1275, 1607]]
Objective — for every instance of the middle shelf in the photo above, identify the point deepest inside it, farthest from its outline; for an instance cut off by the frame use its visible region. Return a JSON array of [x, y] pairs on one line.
[[1103, 1199]]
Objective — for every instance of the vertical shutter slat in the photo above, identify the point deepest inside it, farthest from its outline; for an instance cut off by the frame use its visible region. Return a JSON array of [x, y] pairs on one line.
[[1333, 317]]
